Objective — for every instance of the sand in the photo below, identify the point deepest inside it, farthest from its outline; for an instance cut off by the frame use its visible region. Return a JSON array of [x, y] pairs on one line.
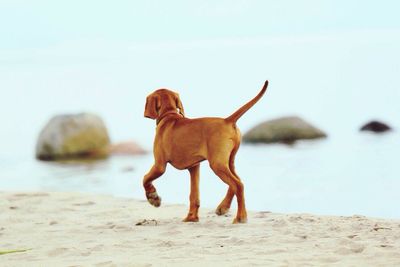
[[71, 229]]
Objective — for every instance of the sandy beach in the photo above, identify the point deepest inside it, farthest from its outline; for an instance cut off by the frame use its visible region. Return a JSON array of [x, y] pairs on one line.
[[72, 229]]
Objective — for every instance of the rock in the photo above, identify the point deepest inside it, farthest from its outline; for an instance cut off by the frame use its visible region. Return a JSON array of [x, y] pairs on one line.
[[126, 148], [284, 130], [376, 127], [73, 136]]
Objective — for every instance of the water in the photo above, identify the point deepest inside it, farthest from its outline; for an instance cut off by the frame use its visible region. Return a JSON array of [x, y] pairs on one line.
[[323, 177], [338, 70]]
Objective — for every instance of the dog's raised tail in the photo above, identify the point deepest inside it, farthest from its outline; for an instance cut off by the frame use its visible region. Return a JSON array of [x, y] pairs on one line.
[[239, 113]]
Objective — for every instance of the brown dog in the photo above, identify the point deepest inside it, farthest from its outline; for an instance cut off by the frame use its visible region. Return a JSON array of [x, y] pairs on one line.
[[184, 143]]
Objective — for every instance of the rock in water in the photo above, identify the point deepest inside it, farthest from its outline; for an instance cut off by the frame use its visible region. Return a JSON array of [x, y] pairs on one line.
[[283, 130], [72, 136], [126, 148], [376, 127]]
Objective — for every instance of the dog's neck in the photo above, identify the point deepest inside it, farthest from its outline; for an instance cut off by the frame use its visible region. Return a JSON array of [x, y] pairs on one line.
[[171, 112]]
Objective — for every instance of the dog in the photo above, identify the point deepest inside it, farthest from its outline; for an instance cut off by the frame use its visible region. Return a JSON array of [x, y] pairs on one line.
[[185, 143]]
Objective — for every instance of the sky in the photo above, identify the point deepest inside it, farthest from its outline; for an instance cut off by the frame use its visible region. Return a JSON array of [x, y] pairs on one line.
[[335, 63], [41, 24]]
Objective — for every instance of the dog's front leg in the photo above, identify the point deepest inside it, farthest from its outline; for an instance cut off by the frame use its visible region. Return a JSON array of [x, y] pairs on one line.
[[151, 193], [193, 215]]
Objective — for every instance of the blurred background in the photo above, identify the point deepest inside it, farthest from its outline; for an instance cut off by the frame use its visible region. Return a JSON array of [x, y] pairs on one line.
[[334, 63]]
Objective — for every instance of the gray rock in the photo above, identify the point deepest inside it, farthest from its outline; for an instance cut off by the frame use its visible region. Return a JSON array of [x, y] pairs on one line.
[[73, 136], [376, 127], [283, 130]]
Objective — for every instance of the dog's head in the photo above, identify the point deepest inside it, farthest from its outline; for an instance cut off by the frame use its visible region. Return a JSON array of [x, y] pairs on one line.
[[161, 101]]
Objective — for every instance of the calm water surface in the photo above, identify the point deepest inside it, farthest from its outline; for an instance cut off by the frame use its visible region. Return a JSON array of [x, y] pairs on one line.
[[358, 176]]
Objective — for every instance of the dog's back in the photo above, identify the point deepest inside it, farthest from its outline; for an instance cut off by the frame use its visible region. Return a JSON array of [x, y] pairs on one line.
[[195, 137]]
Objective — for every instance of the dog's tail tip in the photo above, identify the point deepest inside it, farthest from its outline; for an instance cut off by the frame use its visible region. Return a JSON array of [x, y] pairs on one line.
[[235, 116], [265, 85]]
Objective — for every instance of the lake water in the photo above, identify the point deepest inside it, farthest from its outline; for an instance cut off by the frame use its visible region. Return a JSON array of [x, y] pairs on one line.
[[336, 81]]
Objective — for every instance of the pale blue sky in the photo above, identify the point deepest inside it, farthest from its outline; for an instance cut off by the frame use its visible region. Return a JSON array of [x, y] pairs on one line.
[[43, 23]]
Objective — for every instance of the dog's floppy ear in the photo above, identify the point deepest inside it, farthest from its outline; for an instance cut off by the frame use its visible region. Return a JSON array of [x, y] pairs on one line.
[[151, 108], [179, 105]]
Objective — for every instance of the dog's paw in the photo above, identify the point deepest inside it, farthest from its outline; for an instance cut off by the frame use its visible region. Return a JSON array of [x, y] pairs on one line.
[[190, 218], [221, 211], [154, 199], [239, 220]]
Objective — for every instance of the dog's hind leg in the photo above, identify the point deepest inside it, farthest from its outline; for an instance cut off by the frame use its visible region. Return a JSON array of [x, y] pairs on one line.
[[194, 195], [225, 204], [151, 193], [222, 170]]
